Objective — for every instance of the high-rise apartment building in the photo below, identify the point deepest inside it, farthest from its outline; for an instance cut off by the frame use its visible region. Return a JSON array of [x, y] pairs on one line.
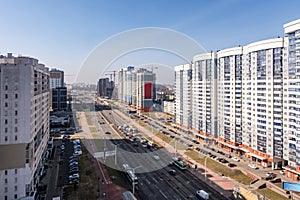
[[56, 78], [136, 87], [183, 95], [262, 103], [230, 97], [291, 103], [204, 95], [143, 89], [256, 98], [24, 124]]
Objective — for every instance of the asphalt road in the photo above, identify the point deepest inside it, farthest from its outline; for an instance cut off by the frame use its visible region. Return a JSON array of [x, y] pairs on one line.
[[154, 180]]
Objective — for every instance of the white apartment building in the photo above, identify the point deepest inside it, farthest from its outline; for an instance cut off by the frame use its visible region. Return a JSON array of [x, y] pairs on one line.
[[230, 97], [204, 95], [136, 87], [125, 85], [143, 89], [291, 103], [183, 95], [262, 103], [168, 107], [24, 124]]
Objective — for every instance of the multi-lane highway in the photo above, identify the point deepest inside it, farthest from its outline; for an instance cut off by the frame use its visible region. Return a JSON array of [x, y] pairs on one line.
[[151, 163]]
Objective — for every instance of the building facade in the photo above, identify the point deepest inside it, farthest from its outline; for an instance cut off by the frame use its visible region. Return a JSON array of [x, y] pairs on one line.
[[56, 78], [204, 95], [230, 97], [24, 124], [143, 89], [291, 103], [59, 99], [183, 95], [136, 87], [256, 99]]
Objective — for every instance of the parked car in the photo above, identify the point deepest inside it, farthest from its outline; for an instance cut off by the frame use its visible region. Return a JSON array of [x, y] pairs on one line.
[[253, 166], [235, 159], [282, 172]]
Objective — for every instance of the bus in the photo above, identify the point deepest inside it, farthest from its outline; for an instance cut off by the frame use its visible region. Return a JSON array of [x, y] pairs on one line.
[[128, 196], [130, 175], [180, 164]]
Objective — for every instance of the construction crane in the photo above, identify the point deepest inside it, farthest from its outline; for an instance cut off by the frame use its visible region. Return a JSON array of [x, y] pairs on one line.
[[111, 74]]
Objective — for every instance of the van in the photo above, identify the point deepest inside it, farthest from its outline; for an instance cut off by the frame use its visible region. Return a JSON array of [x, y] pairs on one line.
[[202, 194]]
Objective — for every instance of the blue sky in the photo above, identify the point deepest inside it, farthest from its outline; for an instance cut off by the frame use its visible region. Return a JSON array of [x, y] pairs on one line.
[[63, 33]]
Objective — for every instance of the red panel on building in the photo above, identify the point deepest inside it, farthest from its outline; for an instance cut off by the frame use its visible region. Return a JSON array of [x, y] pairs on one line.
[[148, 90]]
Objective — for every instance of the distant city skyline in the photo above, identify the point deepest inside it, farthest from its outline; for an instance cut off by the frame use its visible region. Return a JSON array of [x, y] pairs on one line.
[[62, 34]]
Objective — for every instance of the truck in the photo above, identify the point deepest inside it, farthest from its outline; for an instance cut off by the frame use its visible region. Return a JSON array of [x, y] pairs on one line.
[[202, 194]]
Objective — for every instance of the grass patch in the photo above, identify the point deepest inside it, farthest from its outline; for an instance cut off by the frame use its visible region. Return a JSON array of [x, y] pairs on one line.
[[88, 185], [220, 168], [120, 178], [270, 194]]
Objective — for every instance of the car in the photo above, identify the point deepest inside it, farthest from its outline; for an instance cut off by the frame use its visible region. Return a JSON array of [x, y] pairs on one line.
[[73, 164], [108, 133], [172, 171], [228, 155], [74, 176], [156, 157], [231, 165], [253, 166], [282, 172], [77, 153], [269, 174], [235, 159]]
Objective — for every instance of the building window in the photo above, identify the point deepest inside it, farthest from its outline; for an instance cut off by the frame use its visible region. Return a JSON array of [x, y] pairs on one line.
[[5, 189], [5, 180], [16, 96], [5, 121], [16, 188], [6, 87], [6, 96], [5, 138], [16, 179], [6, 104], [16, 137], [16, 196], [6, 130], [16, 104], [5, 197], [5, 172], [16, 112], [16, 171], [16, 129], [16, 121]]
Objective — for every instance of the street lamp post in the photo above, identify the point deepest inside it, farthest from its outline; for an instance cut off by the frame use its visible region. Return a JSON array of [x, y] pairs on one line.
[[133, 169], [116, 153]]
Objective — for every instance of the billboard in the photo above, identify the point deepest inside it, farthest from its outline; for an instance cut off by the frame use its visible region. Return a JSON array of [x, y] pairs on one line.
[[291, 186], [147, 90]]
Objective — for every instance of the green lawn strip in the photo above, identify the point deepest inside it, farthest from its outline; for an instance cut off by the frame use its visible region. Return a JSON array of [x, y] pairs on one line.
[[220, 168], [270, 194]]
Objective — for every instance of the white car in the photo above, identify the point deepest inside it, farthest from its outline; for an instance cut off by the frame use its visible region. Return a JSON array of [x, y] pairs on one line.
[[253, 166], [156, 157], [235, 159], [74, 176]]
